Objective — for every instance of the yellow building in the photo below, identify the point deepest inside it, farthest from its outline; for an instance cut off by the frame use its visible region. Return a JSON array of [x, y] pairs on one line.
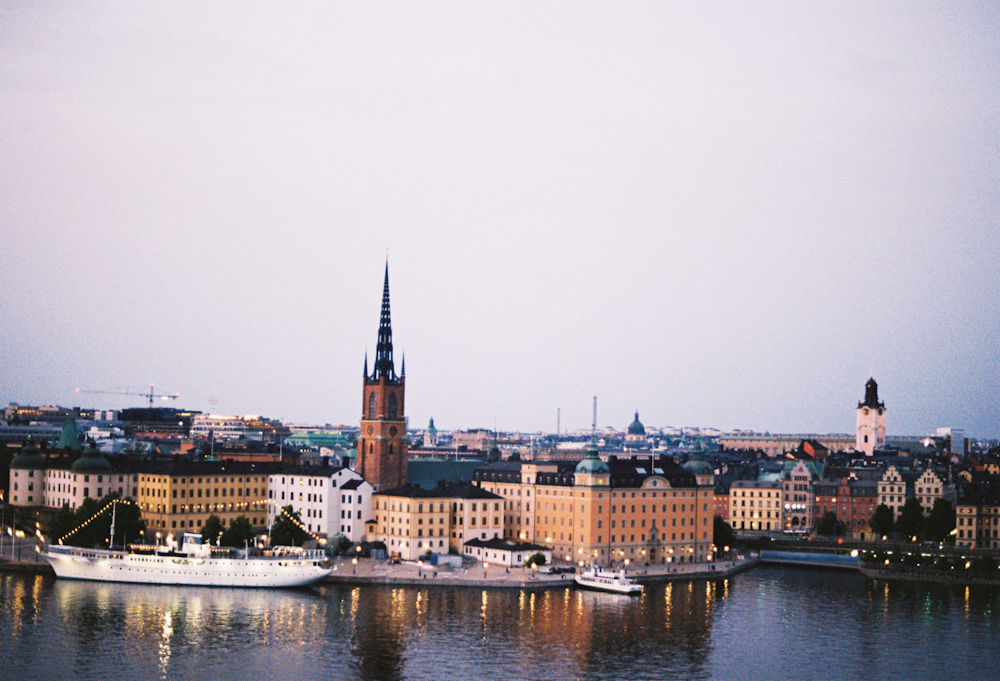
[[179, 496], [413, 521], [643, 509]]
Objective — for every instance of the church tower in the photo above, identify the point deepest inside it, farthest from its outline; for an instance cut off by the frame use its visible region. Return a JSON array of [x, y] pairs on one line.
[[871, 421], [382, 442]]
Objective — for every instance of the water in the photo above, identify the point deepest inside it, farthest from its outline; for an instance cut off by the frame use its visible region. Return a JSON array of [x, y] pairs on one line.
[[767, 623]]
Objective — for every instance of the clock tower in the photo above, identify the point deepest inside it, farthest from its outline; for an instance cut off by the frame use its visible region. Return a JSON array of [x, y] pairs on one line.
[[871, 421], [382, 442]]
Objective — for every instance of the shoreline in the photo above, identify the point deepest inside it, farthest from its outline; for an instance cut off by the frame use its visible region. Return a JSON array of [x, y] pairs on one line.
[[372, 572]]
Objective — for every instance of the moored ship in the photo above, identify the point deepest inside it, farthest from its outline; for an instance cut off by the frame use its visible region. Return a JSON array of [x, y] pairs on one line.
[[606, 580], [191, 563]]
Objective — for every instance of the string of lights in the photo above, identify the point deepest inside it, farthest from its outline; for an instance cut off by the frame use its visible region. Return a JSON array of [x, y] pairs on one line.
[[94, 517], [298, 524]]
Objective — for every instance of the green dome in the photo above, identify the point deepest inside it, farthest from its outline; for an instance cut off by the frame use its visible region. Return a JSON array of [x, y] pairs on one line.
[[91, 462], [29, 457], [699, 466], [592, 464]]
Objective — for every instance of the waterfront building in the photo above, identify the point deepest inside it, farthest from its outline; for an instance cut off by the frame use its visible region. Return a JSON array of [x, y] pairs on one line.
[[412, 521], [644, 509], [799, 497], [503, 552], [756, 505], [382, 440], [870, 433], [178, 496], [853, 501], [329, 500]]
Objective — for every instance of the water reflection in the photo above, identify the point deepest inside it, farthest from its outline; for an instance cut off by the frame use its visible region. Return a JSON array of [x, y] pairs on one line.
[[768, 623]]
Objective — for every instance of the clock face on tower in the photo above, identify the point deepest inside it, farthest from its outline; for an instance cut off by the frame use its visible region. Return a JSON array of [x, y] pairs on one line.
[[371, 430], [393, 431]]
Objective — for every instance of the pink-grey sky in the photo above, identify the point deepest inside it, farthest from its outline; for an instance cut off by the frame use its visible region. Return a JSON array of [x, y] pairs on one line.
[[719, 214]]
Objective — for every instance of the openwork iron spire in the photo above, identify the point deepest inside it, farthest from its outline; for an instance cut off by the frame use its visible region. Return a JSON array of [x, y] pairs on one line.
[[383, 352]]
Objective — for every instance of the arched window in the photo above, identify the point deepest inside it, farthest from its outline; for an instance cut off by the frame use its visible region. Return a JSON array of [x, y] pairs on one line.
[[371, 406], [392, 406]]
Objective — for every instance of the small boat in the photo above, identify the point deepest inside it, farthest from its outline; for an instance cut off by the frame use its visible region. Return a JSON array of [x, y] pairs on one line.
[[191, 563], [608, 580]]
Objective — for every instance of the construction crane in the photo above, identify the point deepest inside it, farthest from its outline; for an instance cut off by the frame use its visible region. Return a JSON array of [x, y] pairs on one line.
[[151, 395]]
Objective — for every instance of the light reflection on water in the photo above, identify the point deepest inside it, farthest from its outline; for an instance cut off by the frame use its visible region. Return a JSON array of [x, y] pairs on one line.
[[766, 623]]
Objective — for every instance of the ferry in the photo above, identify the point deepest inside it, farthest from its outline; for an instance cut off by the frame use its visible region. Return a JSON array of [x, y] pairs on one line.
[[191, 563], [606, 580]]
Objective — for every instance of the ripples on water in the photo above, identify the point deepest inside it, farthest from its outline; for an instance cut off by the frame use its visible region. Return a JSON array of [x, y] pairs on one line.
[[768, 623]]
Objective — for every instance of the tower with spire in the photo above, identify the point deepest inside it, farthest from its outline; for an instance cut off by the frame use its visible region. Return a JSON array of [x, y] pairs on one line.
[[382, 442], [871, 421]]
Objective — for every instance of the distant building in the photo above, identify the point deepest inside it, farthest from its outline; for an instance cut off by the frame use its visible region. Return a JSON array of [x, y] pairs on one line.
[[871, 421], [218, 427], [431, 435]]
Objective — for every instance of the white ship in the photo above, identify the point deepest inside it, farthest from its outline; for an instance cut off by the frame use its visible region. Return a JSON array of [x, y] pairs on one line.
[[192, 563], [606, 580]]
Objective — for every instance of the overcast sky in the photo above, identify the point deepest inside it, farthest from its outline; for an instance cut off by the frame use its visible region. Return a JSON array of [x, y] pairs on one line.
[[720, 215]]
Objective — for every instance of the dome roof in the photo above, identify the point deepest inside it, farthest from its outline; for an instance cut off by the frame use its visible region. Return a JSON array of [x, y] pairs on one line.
[[636, 428], [91, 462], [698, 466], [592, 464], [29, 457]]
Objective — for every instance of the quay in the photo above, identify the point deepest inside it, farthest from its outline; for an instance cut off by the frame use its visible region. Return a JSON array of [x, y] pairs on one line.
[[368, 571]]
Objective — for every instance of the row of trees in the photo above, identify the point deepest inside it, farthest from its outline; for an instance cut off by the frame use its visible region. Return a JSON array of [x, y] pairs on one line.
[[910, 524]]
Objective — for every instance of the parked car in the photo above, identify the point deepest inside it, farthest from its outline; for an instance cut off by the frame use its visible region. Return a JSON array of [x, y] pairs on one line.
[[547, 571]]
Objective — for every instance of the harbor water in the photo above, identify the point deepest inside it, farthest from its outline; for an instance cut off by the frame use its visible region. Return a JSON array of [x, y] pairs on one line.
[[765, 623]]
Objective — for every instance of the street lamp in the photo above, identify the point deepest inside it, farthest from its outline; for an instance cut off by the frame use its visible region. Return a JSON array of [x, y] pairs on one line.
[[485, 568], [354, 569]]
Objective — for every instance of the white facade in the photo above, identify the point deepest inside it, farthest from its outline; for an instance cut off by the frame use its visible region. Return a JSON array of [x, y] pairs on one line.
[[54, 487], [755, 506], [324, 507], [892, 491], [222, 427]]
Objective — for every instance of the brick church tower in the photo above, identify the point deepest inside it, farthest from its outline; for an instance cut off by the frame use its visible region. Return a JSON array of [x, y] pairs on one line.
[[382, 442]]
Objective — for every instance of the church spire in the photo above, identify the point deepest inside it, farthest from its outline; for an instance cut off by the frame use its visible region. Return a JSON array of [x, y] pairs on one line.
[[383, 353], [366, 365]]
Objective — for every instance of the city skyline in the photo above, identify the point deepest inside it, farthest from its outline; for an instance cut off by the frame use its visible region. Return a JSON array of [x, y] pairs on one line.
[[720, 219]]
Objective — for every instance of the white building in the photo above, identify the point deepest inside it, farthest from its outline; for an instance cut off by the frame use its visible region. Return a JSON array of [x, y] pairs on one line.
[[871, 421], [221, 427], [330, 501], [756, 505]]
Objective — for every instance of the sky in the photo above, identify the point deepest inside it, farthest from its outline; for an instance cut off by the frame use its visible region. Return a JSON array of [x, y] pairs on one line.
[[724, 215]]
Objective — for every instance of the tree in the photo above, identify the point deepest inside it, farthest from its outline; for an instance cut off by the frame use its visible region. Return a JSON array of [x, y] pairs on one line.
[[911, 519], [828, 525], [212, 529], [941, 521], [240, 532], [287, 528], [722, 534], [881, 522], [62, 524], [536, 559]]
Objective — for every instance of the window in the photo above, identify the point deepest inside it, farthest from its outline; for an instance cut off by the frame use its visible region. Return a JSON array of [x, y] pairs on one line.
[[371, 406], [392, 406]]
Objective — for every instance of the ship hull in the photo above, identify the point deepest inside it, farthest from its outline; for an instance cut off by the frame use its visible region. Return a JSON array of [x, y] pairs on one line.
[[114, 566]]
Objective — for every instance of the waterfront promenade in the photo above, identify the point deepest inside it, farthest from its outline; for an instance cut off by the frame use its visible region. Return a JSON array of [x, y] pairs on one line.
[[369, 571], [372, 571]]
